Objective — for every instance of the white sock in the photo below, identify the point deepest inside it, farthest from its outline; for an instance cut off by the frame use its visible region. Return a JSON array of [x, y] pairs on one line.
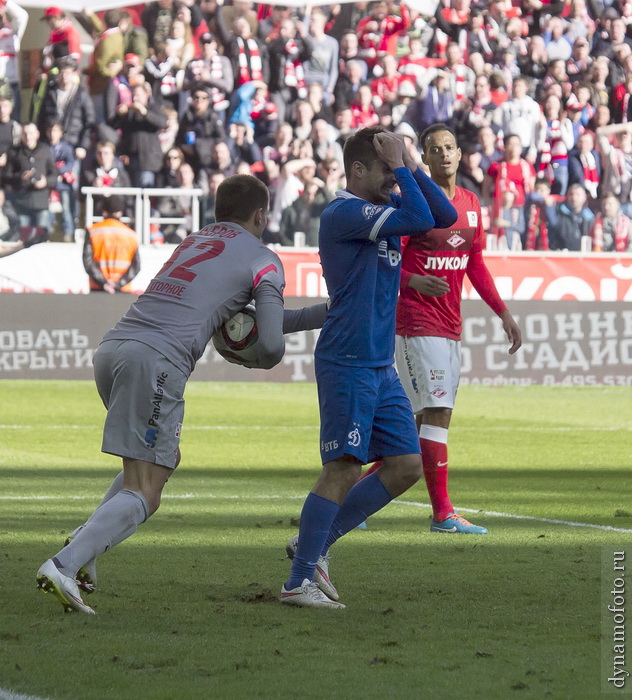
[[115, 487], [109, 525]]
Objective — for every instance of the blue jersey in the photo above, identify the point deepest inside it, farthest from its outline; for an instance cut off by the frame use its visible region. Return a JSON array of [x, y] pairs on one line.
[[360, 257]]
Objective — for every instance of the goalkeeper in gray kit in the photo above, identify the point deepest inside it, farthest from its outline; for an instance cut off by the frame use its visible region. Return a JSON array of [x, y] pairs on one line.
[[142, 366]]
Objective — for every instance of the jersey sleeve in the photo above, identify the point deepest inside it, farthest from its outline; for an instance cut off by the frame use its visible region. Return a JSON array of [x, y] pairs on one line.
[[304, 319], [477, 271], [444, 213], [268, 282], [483, 282], [405, 276], [269, 269], [270, 341], [357, 219]]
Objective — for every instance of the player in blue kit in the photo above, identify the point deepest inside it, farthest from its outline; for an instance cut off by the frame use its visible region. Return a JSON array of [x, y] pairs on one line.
[[364, 410]]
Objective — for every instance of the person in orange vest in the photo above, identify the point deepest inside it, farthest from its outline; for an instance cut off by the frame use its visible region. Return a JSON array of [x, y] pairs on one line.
[[110, 250]]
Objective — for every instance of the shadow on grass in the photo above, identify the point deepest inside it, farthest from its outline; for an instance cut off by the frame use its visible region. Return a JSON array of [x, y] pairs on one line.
[[525, 617], [613, 475], [237, 529]]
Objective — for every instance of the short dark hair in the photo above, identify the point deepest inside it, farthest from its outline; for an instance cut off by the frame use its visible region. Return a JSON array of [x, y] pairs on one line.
[[507, 137], [239, 196], [433, 128], [66, 62], [470, 149], [359, 147], [113, 204], [112, 18]]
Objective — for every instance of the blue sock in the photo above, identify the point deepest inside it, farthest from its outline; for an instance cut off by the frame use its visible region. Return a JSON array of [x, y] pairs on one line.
[[316, 518], [365, 498]]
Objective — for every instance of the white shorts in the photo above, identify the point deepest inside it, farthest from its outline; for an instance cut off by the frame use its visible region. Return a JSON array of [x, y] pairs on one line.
[[429, 369], [143, 393]]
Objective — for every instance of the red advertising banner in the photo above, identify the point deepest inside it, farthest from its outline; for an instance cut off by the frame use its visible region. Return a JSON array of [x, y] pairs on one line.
[[519, 276], [57, 268], [555, 277]]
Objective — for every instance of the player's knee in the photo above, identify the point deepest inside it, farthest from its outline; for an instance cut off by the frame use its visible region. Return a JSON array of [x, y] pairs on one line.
[[344, 472], [407, 470], [153, 501], [413, 470], [153, 493]]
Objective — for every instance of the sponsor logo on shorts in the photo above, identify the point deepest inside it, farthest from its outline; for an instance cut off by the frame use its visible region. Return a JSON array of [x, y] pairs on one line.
[[151, 436], [329, 446], [178, 429], [409, 367], [354, 438], [455, 241], [438, 393], [370, 210], [437, 375]]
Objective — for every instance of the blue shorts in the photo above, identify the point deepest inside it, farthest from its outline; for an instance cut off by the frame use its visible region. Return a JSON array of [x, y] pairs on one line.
[[364, 412]]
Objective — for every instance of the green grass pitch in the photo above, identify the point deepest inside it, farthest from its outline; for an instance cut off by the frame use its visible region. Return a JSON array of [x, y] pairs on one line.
[[187, 608]]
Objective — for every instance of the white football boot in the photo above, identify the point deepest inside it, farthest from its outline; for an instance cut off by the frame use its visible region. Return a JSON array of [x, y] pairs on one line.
[[87, 574], [308, 595], [51, 580], [321, 573]]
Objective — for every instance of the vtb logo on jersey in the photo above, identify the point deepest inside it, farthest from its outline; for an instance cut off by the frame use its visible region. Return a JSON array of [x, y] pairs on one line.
[[472, 218], [455, 241], [383, 251]]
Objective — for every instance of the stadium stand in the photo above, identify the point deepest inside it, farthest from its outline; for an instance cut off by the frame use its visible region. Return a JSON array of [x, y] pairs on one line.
[[262, 88]]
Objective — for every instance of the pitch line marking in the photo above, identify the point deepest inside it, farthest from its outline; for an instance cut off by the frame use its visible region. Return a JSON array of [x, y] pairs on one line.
[[496, 514], [414, 504]]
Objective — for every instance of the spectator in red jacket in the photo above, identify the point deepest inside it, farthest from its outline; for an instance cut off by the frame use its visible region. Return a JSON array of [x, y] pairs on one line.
[[386, 86], [63, 40], [378, 33]]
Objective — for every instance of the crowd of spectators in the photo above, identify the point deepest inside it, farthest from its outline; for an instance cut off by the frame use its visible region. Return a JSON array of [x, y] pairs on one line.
[[183, 93]]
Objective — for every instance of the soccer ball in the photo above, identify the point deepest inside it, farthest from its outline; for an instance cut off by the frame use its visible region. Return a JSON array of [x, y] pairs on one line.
[[235, 341]]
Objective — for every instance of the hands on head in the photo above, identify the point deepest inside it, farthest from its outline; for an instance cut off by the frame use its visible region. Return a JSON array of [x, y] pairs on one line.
[[391, 148]]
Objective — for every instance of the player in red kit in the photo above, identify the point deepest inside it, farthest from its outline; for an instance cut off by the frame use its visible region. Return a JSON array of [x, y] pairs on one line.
[[428, 347]]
